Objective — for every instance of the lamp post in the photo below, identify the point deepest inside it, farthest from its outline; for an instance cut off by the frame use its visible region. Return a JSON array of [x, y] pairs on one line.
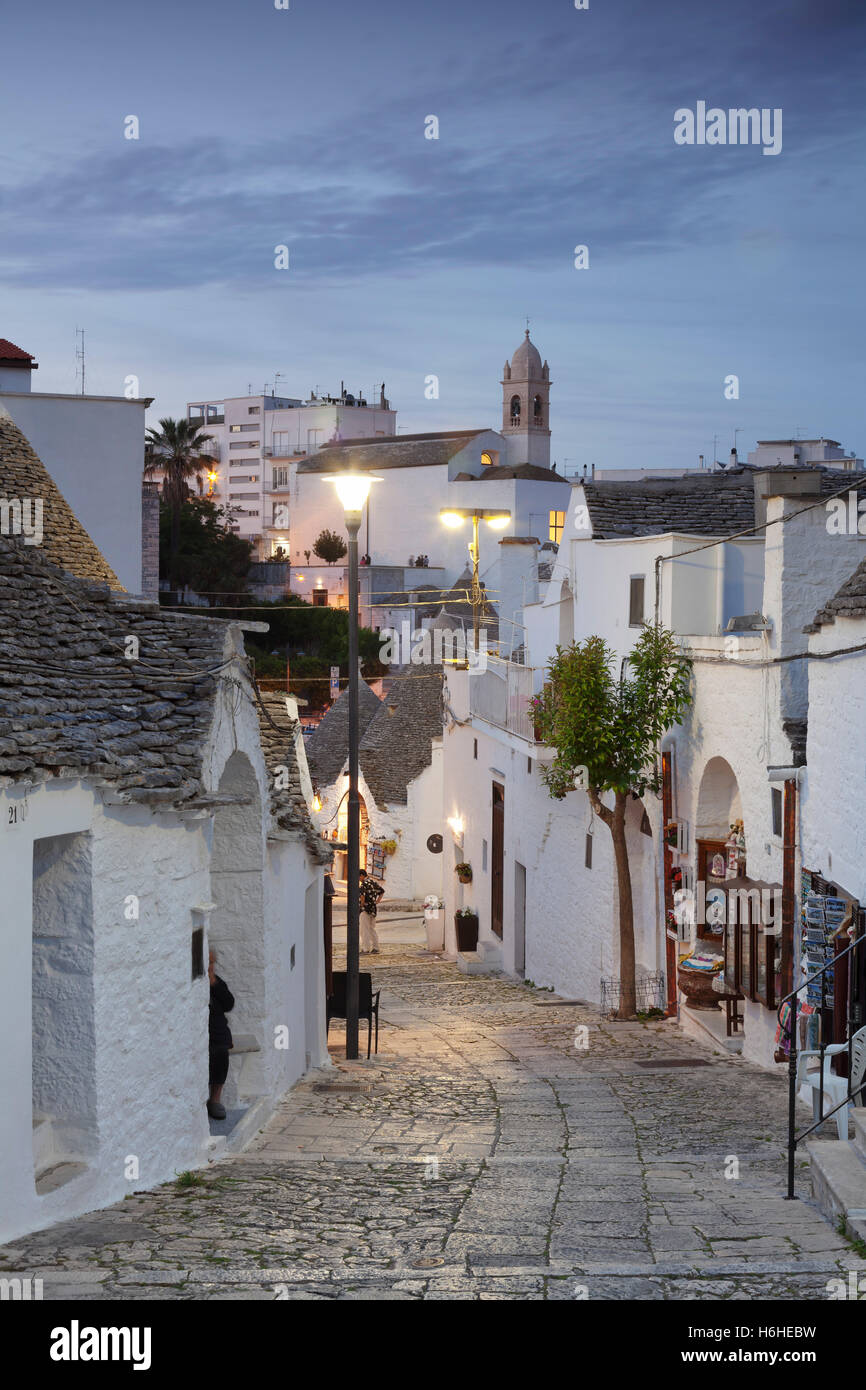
[[353, 490], [454, 517]]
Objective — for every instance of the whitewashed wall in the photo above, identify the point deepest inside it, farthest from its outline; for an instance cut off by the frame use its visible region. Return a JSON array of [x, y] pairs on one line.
[[571, 932], [834, 789]]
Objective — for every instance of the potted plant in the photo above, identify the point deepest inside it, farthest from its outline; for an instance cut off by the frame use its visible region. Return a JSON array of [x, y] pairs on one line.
[[389, 846], [464, 872], [466, 925]]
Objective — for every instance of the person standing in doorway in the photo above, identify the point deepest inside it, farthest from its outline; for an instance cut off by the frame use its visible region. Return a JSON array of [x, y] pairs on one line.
[[371, 892], [220, 1040]]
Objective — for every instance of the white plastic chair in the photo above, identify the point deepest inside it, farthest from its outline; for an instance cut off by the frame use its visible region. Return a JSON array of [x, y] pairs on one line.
[[835, 1087]]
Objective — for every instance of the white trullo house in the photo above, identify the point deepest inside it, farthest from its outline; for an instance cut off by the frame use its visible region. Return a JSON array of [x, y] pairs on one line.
[[151, 808]]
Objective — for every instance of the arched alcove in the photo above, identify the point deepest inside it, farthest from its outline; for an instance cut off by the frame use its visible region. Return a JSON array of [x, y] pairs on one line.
[[718, 801], [237, 923]]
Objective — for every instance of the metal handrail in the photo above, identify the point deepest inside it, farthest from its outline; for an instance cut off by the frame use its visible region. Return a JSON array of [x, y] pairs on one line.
[[793, 1137]]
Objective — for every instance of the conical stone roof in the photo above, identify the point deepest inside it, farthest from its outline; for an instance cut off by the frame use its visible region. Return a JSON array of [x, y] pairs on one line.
[[24, 480]]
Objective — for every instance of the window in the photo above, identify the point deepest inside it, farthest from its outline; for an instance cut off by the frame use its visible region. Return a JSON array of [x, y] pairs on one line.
[[314, 439], [484, 856], [253, 410], [320, 598], [537, 410], [776, 803], [281, 443], [245, 444], [587, 853], [487, 459], [556, 526], [475, 748], [245, 478], [515, 410], [636, 600], [198, 953], [241, 429]]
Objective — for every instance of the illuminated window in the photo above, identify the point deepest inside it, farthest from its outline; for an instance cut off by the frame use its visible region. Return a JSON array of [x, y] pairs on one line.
[[487, 459], [557, 523]]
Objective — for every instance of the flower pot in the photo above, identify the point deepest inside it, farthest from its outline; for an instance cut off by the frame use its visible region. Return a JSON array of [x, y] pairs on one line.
[[464, 878], [467, 931]]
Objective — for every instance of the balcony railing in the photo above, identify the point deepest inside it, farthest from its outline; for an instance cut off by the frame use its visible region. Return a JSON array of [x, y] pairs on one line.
[[501, 695]]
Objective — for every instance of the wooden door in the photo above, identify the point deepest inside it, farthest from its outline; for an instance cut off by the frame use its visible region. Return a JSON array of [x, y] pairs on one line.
[[498, 858]]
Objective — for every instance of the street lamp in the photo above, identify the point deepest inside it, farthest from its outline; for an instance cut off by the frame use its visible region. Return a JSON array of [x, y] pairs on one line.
[[353, 490], [495, 518]]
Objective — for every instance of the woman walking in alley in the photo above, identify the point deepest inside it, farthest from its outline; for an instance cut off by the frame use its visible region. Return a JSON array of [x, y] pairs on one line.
[[371, 892], [222, 1001]]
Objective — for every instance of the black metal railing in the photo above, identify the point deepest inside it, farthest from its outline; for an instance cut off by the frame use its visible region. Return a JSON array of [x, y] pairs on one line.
[[855, 1022]]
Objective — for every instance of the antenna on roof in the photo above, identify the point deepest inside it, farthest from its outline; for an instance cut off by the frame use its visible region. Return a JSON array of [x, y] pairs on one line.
[[79, 357]]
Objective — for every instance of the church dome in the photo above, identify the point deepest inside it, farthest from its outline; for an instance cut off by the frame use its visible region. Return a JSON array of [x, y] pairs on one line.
[[526, 362]]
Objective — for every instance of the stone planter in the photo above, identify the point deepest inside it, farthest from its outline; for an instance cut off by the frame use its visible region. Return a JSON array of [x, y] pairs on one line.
[[434, 926], [697, 986], [467, 932]]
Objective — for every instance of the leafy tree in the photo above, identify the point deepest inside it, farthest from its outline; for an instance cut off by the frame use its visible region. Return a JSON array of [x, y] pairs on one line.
[[210, 558], [176, 450], [329, 546], [604, 730]]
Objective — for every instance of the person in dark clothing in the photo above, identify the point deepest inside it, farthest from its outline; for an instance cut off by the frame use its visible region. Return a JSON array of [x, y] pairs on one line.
[[220, 1040], [371, 892]]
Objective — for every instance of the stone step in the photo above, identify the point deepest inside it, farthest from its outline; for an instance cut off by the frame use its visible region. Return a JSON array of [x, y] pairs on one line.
[[839, 1183], [859, 1117], [471, 963], [491, 953]]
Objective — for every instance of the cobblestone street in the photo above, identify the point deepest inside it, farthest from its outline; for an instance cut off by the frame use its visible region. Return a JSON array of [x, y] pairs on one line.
[[481, 1155]]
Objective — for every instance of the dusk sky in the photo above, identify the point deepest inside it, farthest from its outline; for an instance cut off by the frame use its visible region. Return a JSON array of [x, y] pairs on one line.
[[411, 256]]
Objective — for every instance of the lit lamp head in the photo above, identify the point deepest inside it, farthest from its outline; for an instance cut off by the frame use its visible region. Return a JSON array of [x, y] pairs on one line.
[[452, 519], [500, 521], [353, 489]]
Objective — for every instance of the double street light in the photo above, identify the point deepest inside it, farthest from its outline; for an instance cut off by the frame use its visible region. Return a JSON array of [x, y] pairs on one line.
[[353, 490], [495, 518]]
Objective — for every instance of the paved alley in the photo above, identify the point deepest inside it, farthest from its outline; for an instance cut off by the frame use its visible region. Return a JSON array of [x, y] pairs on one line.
[[502, 1145]]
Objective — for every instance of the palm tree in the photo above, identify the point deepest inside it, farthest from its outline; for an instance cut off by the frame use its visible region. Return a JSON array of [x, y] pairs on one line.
[[175, 450]]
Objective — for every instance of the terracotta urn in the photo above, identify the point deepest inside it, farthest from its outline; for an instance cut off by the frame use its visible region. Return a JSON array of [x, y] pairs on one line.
[[697, 986]]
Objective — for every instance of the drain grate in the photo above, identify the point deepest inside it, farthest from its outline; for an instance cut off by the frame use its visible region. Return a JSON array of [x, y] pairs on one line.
[[674, 1062]]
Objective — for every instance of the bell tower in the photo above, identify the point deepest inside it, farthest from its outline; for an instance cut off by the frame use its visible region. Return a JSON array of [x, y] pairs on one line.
[[526, 406]]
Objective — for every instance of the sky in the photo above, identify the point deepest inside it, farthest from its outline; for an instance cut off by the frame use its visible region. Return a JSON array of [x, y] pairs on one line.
[[409, 257]]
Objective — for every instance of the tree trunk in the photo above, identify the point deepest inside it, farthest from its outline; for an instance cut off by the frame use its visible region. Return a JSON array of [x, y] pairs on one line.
[[615, 822], [628, 993]]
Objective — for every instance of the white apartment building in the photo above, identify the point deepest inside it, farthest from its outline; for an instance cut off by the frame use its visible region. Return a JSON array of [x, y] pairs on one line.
[[254, 437]]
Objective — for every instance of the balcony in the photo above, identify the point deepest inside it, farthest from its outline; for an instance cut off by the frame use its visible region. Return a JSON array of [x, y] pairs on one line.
[[500, 696]]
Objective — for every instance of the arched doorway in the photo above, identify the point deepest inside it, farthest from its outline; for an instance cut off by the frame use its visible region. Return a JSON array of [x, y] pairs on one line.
[[237, 923], [343, 833]]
